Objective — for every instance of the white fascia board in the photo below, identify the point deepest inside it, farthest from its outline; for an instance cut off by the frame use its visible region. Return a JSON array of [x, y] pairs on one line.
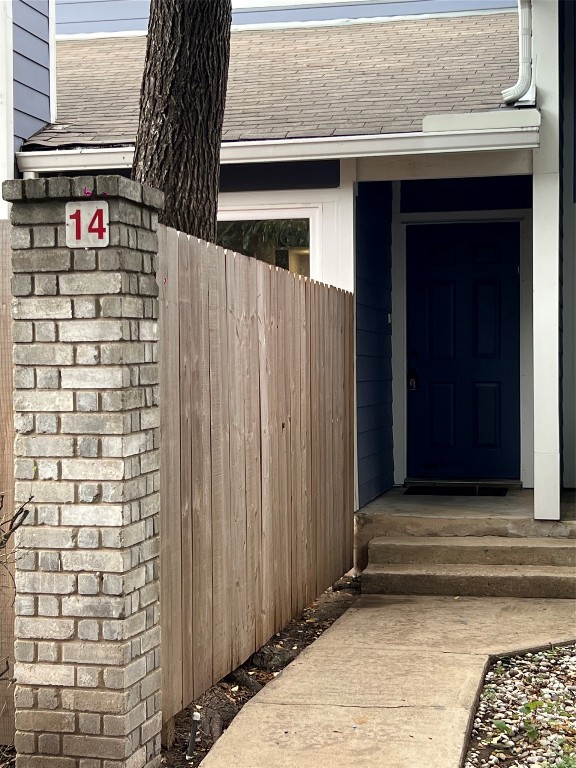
[[465, 121], [342, 147], [325, 148], [62, 160]]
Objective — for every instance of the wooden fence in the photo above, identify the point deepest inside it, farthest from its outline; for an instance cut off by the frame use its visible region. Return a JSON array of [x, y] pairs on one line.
[[6, 484], [256, 380]]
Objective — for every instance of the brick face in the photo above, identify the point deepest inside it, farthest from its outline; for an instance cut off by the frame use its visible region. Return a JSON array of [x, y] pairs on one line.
[[87, 643]]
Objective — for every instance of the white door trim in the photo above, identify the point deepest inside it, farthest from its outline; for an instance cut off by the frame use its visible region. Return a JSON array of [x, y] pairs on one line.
[[400, 221]]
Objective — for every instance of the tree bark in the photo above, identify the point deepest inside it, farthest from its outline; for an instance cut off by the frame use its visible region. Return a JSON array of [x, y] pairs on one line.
[[182, 110]]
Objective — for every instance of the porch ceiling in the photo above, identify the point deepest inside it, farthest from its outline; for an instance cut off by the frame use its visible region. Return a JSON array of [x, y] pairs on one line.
[[302, 82]]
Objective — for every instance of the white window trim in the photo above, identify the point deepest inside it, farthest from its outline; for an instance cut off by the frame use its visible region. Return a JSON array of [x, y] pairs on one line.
[[274, 212], [331, 214]]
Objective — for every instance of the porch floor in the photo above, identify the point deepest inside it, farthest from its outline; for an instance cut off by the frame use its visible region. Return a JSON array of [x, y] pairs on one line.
[[396, 514], [516, 503]]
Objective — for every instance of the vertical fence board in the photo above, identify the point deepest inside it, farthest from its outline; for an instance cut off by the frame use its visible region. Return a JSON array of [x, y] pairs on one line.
[[275, 512], [340, 496], [252, 428], [350, 352], [313, 365], [329, 384], [321, 395], [267, 521], [186, 452], [6, 484], [201, 648], [284, 572], [237, 475], [298, 555], [219, 409], [307, 542], [337, 459], [257, 452], [342, 426], [170, 520]]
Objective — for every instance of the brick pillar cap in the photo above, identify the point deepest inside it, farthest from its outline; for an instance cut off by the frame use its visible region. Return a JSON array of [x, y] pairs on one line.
[[81, 188]]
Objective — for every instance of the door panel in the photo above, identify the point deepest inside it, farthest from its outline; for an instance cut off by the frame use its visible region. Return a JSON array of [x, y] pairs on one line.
[[463, 350]]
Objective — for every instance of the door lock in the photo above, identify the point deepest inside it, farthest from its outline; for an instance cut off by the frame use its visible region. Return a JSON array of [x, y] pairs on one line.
[[413, 380]]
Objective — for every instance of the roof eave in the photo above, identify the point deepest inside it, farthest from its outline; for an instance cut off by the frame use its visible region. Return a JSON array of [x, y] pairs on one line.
[[320, 148]]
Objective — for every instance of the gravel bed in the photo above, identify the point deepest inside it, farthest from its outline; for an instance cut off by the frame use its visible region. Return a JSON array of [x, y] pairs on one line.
[[527, 712]]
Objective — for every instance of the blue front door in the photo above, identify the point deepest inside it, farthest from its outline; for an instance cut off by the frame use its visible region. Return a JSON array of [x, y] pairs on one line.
[[463, 347]]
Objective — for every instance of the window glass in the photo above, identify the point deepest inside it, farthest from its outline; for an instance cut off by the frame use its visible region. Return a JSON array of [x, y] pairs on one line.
[[282, 242]]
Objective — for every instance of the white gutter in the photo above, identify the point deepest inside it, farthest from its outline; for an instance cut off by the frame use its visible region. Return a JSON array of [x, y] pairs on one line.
[[520, 89], [341, 147]]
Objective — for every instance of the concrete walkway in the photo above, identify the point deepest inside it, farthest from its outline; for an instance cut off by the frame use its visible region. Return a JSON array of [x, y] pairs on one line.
[[392, 684]]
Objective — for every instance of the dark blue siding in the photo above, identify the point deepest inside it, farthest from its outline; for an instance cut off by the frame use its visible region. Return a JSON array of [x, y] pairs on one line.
[[373, 340], [31, 68], [492, 193], [81, 16], [258, 177]]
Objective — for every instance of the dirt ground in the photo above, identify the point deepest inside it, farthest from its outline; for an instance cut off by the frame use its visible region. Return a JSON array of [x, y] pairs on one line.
[[219, 705], [7, 757]]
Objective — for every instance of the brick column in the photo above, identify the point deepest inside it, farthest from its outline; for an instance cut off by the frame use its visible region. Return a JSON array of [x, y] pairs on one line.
[[86, 411]]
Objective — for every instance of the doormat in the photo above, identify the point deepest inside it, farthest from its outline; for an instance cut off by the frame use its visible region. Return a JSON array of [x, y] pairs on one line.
[[454, 490]]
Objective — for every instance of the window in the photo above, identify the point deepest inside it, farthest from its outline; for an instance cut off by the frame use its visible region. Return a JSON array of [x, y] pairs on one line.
[[283, 242]]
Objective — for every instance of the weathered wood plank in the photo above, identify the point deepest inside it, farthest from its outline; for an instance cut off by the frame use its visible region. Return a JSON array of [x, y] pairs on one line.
[[220, 449], [330, 464], [351, 421], [339, 436], [275, 355], [341, 469], [251, 375], [201, 648], [170, 522], [6, 482], [257, 455], [351, 403], [306, 445], [316, 434], [266, 437], [186, 447], [284, 538], [236, 350], [298, 532], [323, 406]]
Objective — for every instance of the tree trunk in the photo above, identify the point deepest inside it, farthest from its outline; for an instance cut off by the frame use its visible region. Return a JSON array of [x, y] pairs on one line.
[[182, 110]]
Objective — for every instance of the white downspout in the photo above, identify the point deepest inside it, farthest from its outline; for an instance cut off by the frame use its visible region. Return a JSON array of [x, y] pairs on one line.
[[522, 86]]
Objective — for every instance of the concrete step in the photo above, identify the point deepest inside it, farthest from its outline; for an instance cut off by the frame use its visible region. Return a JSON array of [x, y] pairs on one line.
[[472, 550], [472, 580]]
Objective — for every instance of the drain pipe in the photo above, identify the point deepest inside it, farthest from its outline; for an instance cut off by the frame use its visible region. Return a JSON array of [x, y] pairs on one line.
[[522, 86]]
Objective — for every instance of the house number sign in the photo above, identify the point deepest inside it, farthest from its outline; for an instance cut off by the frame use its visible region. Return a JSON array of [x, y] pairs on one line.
[[87, 224]]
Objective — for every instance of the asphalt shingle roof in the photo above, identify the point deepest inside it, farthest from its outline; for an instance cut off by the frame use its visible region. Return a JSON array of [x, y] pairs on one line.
[[367, 78]]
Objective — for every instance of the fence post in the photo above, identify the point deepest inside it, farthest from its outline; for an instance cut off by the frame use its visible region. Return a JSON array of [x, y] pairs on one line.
[[86, 417]]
